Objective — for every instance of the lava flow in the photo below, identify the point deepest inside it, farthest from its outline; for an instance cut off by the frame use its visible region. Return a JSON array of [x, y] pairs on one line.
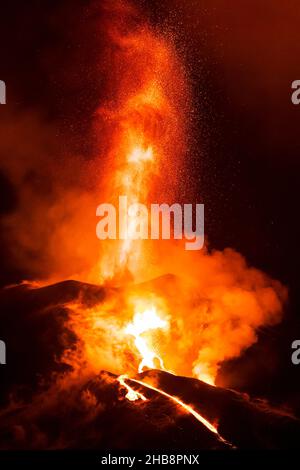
[[133, 395], [143, 322]]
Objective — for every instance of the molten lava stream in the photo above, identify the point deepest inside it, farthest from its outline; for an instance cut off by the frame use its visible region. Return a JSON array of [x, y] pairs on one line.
[[133, 395], [145, 321]]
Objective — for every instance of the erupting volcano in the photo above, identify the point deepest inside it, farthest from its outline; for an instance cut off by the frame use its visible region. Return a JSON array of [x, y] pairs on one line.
[[145, 328]]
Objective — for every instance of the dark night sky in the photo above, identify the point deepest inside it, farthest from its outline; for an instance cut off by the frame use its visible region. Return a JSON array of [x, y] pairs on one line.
[[241, 58]]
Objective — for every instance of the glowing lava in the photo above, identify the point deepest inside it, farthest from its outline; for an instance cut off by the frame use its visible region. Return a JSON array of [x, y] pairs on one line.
[[133, 395], [143, 322], [182, 404]]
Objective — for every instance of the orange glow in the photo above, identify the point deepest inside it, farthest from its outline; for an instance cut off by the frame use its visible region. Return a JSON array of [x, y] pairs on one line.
[[164, 307], [186, 407], [176, 400], [147, 132], [131, 395], [143, 322]]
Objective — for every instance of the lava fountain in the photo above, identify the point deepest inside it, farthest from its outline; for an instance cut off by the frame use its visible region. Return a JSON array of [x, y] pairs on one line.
[[165, 308]]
